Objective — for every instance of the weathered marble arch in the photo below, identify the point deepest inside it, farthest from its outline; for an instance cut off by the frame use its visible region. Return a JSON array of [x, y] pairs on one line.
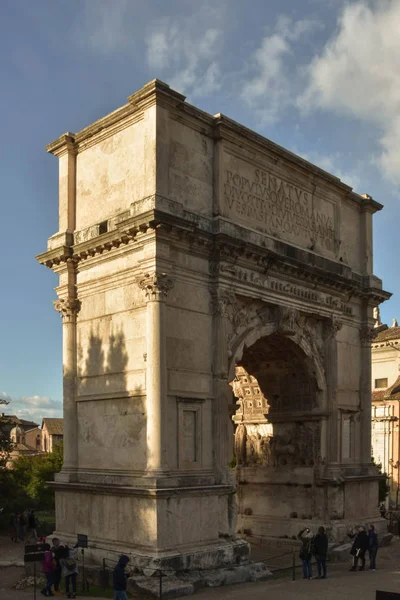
[[192, 254]]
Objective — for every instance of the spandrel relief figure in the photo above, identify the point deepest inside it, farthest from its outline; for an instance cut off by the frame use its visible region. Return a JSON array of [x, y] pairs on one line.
[[253, 446], [240, 444], [266, 451], [294, 447]]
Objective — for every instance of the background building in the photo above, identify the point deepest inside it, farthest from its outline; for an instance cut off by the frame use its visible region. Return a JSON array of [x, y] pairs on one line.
[[28, 438], [8, 422], [52, 434], [386, 403]]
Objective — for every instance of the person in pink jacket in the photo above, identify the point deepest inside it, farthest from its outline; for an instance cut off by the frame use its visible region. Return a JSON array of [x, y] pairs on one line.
[[48, 570]]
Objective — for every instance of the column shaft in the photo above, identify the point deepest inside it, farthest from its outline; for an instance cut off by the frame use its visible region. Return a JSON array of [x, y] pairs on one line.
[[68, 309], [156, 386], [365, 401], [331, 362], [69, 395]]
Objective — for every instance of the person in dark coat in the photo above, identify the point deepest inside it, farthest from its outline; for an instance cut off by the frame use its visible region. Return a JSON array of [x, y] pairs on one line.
[[119, 578], [21, 526], [372, 547], [359, 548], [320, 548], [58, 553], [14, 527], [32, 524]]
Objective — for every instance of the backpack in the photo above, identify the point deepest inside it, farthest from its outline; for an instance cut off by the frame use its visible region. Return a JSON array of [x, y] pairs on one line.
[[70, 564]]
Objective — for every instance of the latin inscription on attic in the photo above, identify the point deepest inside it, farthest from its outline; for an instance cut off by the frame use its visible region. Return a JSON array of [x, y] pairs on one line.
[[263, 201]]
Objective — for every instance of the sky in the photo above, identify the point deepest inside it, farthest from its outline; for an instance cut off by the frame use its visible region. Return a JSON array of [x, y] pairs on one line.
[[319, 77]]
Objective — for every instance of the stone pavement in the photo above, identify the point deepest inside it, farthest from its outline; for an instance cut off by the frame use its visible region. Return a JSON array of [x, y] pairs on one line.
[[341, 584]]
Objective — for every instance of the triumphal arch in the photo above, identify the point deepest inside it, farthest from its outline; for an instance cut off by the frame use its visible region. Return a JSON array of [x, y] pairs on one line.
[[216, 294]]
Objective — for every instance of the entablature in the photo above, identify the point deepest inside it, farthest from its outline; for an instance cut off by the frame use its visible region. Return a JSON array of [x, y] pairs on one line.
[[226, 246]]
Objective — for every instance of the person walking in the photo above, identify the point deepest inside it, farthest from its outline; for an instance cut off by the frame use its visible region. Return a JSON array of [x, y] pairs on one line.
[[359, 548], [69, 569], [320, 549], [372, 547], [48, 570], [119, 578], [306, 538]]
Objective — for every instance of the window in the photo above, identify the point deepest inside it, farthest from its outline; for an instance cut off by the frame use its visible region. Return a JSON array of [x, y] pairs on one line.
[[103, 227], [381, 383]]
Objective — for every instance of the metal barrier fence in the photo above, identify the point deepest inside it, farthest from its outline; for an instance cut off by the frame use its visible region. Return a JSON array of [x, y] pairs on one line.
[[108, 566]]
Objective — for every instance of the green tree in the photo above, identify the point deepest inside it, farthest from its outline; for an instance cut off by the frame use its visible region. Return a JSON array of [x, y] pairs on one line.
[[43, 470], [26, 484]]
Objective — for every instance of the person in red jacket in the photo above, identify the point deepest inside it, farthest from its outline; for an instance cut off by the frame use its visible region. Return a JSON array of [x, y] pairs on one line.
[[48, 570]]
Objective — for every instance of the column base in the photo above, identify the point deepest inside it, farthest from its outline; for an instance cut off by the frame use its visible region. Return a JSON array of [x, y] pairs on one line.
[[66, 476]]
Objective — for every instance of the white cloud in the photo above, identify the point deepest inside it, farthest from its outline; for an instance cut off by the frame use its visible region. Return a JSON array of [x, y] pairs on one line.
[[186, 48], [270, 88], [105, 25], [32, 408], [357, 74]]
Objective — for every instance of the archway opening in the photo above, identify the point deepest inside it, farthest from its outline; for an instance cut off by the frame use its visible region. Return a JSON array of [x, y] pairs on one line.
[[277, 435]]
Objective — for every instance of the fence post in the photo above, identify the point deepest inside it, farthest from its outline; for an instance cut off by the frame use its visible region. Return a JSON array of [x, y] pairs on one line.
[[34, 579], [294, 565]]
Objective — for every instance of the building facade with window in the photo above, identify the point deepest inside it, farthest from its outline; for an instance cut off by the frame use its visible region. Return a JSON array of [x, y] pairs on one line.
[[386, 404], [52, 433]]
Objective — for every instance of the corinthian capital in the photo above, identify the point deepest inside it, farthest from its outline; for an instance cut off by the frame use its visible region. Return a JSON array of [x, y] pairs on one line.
[[222, 300], [156, 285], [68, 308], [367, 334], [331, 328]]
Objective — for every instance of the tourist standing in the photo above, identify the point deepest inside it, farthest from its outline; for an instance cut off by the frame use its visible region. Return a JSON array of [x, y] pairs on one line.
[[69, 569], [14, 527], [32, 523], [306, 538], [57, 550], [320, 549], [359, 548], [48, 570], [119, 578], [372, 547], [21, 526]]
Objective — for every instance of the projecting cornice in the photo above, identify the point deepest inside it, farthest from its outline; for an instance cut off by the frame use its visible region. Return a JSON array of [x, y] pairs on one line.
[[63, 145], [224, 250]]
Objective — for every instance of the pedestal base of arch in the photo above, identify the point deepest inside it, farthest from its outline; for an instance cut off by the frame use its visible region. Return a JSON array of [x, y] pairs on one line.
[[171, 528], [282, 508]]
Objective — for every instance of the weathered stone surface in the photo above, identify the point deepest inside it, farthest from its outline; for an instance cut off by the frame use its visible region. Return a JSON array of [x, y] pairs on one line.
[[185, 584], [189, 247], [172, 586]]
